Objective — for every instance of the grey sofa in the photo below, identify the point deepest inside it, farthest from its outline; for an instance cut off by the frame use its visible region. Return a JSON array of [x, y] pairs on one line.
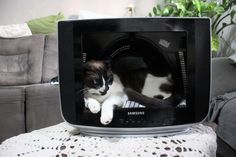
[[27, 99], [29, 102], [223, 104]]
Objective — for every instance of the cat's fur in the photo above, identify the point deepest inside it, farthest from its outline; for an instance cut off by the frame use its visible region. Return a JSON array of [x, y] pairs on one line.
[[105, 90]]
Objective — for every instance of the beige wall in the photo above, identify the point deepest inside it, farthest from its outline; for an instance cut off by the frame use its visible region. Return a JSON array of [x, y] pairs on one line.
[[19, 11]]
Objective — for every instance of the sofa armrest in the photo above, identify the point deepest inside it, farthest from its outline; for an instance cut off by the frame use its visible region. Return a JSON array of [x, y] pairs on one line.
[[223, 76], [42, 106], [50, 58]]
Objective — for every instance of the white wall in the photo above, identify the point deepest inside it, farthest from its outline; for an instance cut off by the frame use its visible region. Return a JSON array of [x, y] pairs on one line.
[[19, 11]]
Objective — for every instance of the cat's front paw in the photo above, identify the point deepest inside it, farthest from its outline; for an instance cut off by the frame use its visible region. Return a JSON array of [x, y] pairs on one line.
[[105, 119], [93, 105]]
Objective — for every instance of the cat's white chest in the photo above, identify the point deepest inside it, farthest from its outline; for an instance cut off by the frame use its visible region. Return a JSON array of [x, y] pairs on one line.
[[152, 86]]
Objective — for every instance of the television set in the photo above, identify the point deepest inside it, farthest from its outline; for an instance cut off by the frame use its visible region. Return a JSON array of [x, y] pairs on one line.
[[135, 50]]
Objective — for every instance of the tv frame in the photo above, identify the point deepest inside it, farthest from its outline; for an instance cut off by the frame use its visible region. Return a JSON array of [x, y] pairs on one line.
[[198, 43]]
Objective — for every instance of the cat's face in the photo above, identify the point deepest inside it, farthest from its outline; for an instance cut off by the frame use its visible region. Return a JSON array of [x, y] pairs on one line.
[[98, 77]]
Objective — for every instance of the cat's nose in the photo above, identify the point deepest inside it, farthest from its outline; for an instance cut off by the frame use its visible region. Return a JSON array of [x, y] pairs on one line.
[[103, 92]]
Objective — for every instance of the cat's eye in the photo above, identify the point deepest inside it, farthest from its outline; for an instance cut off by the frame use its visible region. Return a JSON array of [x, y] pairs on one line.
[[109, 79], [94, 82]]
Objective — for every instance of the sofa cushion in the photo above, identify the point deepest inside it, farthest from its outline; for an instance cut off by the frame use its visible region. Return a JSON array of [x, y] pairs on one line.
[[12, 112], [223, 76], [42, 106], [226, 120], [45, 25], [15, 30], [50, 59], [21, 60]]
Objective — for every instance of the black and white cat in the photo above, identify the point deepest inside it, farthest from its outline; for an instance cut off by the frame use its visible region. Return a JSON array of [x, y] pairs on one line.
[[105, 90]]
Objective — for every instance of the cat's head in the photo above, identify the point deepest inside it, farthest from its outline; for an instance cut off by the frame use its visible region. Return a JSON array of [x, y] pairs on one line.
[[97, 77]]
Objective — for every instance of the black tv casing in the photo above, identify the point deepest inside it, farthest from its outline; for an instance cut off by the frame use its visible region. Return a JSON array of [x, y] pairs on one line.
[[81, 40]]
